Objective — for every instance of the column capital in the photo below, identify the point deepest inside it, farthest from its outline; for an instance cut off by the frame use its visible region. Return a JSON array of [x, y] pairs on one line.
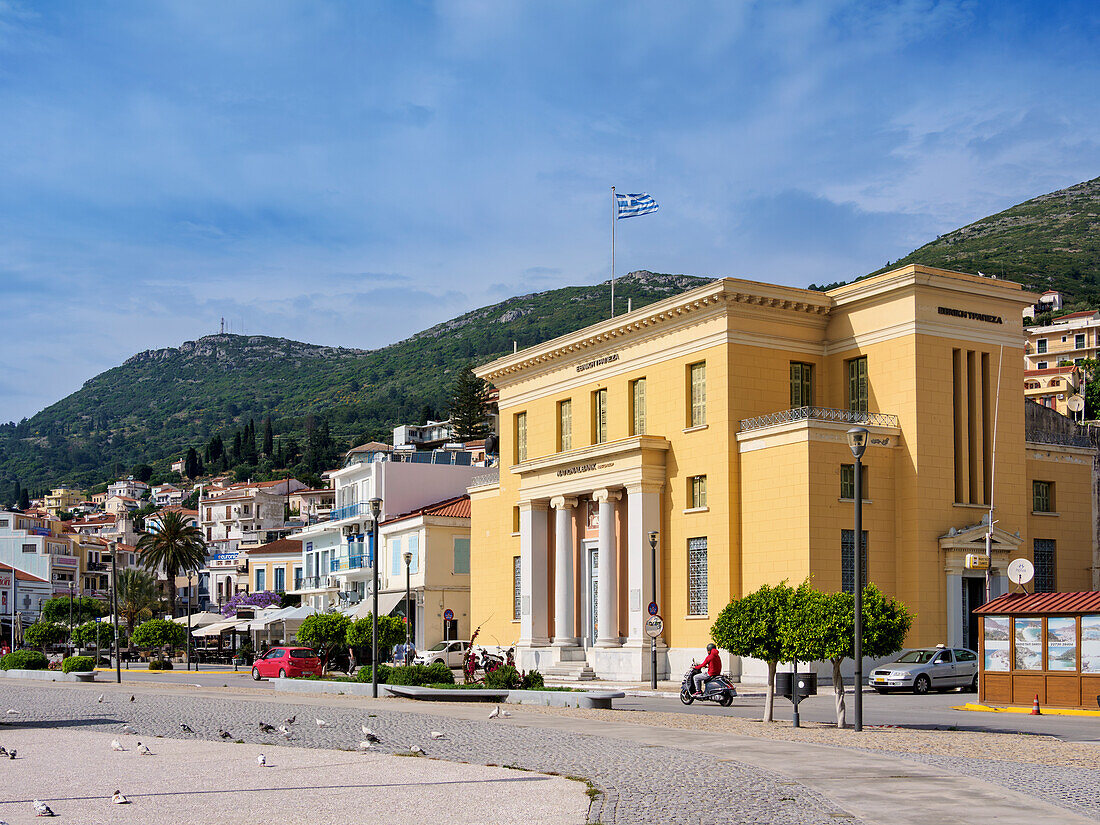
[[563, 503], [635, 487], [532, 505], [607, 494]]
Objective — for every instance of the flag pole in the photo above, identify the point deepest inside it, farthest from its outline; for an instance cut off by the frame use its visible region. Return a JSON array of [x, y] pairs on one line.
[[614, 209]]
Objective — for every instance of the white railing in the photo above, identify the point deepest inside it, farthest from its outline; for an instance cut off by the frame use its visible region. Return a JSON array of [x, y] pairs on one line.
[[819, 414]]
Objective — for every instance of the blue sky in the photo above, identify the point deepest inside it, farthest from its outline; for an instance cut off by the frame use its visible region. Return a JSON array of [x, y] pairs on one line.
[[351, 173]]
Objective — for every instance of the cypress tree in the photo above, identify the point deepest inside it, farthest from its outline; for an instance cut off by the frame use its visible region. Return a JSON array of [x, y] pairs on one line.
[[269, 446], [469, 406]]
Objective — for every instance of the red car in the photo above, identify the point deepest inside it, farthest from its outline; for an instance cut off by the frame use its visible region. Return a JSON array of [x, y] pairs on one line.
[[287, 661]]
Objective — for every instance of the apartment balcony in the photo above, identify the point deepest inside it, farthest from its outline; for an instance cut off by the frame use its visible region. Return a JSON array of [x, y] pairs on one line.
[[315, 584], [339, 565], [358, 510], [96, 566], [825, 414]]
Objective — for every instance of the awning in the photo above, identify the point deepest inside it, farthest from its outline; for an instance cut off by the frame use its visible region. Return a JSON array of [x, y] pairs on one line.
[[218, 628], [386, 603], [200, 620]]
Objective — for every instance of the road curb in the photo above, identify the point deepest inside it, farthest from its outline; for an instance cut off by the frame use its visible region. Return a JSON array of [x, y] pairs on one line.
[[974, 707]]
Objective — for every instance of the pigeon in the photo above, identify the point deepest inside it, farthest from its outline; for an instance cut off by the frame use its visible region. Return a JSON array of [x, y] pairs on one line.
[[12, 711], [261, 760], [290, 721], [186, 728], [143, 750], [118, 798], [3, 751], [495, 712], [371, 736], [131, 697], [266, 728], [100, 699], [116, 745], [416, 750], [42, 809], [321, 723], [11, 754], [284, 730], [438, 734], [224, 734], [365, 746], [506, 713], [128, 729]]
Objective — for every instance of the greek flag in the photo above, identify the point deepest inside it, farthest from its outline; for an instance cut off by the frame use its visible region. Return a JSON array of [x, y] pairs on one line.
[[631, 205]]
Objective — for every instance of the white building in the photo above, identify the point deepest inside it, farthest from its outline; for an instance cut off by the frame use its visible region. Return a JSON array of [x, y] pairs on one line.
[[421, 436], [29, 544], [129, 487], [336, 555], [166, 495], [29, 593]]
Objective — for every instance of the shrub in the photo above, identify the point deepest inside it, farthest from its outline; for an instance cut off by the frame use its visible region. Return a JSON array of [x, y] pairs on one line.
[[505, 677], [411, 675], [391, 631], [78, 663], [439, 674], [24, 660], [533, 681], [40, 634], [364, 674], [158, 633], [160, 664]]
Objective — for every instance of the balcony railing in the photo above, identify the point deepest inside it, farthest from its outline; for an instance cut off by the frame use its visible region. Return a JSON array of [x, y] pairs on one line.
[[819, 414], [314, 583], [1065, 439], [361, 508], [485, 479], [349, 563], [96, 566]]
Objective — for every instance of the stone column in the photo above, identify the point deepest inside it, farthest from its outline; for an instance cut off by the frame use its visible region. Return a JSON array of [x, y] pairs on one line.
[[532, 574], [643, 504], [608, 615], [564, 613]]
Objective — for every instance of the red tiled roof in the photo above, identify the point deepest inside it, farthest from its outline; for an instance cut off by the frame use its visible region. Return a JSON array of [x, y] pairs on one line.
[[1036, 603], [278, 546], [458, 507], [23, 576], [1083, 313], [371, 447], [1051, 370]]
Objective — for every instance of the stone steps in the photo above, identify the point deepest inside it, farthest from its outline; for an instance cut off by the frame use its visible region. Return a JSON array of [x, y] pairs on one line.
[[570, 672]]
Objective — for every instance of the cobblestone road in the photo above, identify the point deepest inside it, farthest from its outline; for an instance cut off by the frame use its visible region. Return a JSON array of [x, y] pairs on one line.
[[638, 783]]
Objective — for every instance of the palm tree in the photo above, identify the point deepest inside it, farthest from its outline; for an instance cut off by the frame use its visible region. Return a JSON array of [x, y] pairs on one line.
[[138, 598], [175, 547]]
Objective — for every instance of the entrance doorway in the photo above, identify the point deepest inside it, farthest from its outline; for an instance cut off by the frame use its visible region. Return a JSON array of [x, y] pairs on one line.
[[973, 597], [592, 600]]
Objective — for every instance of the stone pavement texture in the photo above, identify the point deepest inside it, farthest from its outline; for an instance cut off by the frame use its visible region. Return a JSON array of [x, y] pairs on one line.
[[638, 782], [196, 781]]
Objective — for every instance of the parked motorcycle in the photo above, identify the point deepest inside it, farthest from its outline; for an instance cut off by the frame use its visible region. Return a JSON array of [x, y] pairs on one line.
[[489, 662], [716, 689]]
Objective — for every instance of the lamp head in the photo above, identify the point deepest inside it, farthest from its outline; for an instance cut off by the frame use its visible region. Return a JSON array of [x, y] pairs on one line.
[[375, 508], [652, 538], [857, 440], [408, 557]]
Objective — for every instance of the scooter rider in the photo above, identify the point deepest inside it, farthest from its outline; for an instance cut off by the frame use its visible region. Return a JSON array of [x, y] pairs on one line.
[[713, 665]]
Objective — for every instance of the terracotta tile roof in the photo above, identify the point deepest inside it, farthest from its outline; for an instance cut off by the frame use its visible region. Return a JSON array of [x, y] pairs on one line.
[[1036, 603], [21, 575], [458, 507], [278, 546], [1051, 370], [371, 447]]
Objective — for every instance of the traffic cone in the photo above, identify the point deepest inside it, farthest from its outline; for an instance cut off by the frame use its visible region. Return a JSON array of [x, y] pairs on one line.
[[1035, 707]]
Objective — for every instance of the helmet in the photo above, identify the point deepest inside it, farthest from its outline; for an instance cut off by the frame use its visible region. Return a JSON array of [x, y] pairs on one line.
[[710, 647]]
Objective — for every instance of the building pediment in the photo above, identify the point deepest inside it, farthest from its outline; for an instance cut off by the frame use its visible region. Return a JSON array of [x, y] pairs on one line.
[[971, 539]]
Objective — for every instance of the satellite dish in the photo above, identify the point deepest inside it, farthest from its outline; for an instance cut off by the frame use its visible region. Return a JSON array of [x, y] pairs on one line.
[[1020, 571], [1076, 403]]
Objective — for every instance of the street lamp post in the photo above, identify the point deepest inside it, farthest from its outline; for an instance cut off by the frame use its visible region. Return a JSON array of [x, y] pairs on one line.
[[653, 640], [72, 650], [408, 556], [113, 546], [376, 512], [189, 620], [857, 440]]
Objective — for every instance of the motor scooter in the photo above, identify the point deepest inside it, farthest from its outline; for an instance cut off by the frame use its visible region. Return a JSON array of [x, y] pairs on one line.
[[715, 689]]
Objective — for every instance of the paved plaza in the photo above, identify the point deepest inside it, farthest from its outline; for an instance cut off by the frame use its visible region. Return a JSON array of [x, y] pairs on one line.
[[630, 766]]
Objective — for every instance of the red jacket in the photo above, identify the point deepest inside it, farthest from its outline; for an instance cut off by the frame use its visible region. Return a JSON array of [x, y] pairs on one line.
[[713, 663]]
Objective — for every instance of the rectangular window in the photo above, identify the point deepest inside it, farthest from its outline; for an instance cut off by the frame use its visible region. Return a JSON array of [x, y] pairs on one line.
[[1079, 341], [697, 380], [517, 597], [565, 425], [462, 557], [857, 385], [697, 577], [280, 579], [848, 482], [1044, 566], [395, 557], [637, 407], [1042, 496], [28, 548], [802, 385], [515, 520], [599, 416], [521, 437], [414, 549], [297, 578], [697, 491], [1041, 345], [261, 580], [848, 560]]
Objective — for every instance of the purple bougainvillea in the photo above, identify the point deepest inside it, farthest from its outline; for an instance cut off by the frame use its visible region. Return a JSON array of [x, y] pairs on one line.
[[265, 598]]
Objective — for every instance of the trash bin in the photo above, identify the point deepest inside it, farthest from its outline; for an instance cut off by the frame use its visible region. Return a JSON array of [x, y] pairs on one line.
[[807, 685]]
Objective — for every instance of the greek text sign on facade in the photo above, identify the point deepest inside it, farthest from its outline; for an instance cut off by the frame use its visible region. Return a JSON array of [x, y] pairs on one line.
[[599, 362], [973, 316]]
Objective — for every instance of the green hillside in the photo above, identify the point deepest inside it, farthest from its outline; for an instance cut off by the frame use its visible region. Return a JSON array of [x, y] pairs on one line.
[[158, 403], [1048, 242]]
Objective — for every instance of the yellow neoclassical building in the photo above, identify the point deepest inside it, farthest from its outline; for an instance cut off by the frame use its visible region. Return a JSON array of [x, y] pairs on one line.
[[718, 419]]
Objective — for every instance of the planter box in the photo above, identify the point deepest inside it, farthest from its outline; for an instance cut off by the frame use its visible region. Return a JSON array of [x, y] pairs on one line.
[[50, 675]]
